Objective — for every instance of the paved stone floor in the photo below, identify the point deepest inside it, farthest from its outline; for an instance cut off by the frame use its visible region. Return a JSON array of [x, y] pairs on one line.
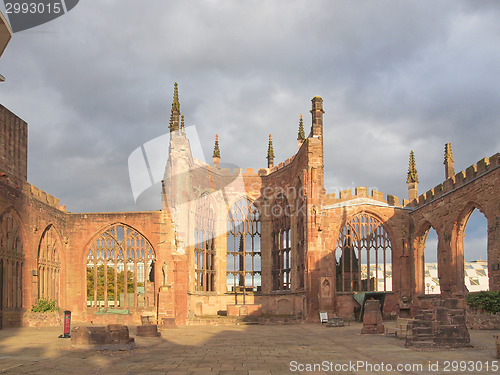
[[252, 350]]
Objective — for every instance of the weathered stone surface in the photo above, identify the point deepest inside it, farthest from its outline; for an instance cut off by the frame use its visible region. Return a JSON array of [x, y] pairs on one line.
[[482, 320], [46, 319], [112, 337], [148, 330], [441, 326], [335, 322], [372, 318]]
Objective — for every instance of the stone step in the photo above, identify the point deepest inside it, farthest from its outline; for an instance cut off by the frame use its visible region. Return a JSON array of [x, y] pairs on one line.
[[242, 320], [423, 344], [423, 338], [419, 331], [422, 323], [424, 317]]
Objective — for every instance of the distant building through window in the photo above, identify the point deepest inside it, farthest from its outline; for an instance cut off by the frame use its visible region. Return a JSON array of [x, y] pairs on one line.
[[243, 247], [362, 254], [120, 267]]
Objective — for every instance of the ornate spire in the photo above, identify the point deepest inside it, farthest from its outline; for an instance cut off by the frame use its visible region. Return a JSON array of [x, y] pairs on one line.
[[176, 110], [412, 171], [270, 153], [216, 154], [301, 136], [182, 124], [175, 104], [216, 147], [448, 155], [449, 170]]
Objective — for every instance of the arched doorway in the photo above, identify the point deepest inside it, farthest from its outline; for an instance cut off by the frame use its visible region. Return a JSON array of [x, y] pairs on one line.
[[475, 252], [430, 277]]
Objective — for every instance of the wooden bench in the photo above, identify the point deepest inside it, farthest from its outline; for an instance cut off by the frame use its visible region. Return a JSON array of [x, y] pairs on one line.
[[399, 330]]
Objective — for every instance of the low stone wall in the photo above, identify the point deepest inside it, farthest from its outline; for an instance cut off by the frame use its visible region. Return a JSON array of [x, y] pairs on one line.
[[482, 320], [244, 310], [42, 319], [11, 318]]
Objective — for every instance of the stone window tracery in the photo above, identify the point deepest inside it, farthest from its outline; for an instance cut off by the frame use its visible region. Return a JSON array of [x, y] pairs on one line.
[[243, 247], [281, 251], [49, 265], [120, 269], [362, 255], [204, 251]]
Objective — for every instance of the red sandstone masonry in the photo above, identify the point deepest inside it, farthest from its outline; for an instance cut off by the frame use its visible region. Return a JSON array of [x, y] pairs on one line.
[[14, 145], [464, 177], [446, 208]]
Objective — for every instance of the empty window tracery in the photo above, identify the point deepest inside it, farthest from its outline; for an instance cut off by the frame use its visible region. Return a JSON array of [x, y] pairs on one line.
[[204, 251], [49, 265], [281, 251], [120, 269], [243, 247], [362, 255]]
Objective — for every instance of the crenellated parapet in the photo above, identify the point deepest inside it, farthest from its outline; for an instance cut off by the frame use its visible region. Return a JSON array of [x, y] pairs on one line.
[[361, 196], [473, 172], [41, 196]]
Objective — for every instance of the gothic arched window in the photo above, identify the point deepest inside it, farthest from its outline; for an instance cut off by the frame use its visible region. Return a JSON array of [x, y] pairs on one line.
[[281, 251], [49, 265], [363, 255], [204, 250], [243, 247], [120, 269]]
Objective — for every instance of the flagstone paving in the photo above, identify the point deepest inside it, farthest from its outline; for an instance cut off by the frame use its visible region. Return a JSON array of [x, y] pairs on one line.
[[242, 349]]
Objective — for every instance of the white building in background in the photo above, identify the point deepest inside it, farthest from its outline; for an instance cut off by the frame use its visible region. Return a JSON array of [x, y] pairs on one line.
[[476, 276]]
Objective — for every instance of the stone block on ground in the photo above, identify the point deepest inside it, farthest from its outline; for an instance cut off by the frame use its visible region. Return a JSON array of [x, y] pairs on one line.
[[112, 337], [372, 318], [148, 330]]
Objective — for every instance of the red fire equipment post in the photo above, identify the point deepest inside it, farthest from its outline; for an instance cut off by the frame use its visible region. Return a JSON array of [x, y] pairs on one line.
[[66, 325]]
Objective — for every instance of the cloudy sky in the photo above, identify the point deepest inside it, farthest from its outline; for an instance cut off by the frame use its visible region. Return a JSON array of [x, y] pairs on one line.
[[395, 76]]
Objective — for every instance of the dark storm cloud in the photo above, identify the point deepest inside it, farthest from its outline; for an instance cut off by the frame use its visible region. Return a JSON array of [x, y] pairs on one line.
[[395, 76]]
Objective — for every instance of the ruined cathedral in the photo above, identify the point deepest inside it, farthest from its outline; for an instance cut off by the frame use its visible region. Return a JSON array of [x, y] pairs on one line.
[[266, 242]]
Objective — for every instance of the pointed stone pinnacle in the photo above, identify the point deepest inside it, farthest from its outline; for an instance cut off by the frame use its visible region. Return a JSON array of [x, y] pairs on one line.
[[270, 150], [301, 136], [216, 147], [412, 170], [175, 104], [448, 154]]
